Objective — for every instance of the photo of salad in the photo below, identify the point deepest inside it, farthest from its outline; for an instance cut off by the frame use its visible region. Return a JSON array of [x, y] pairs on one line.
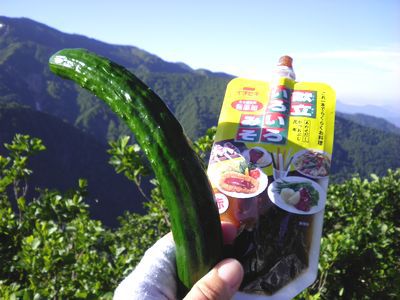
[[312, 163], [297, 194]]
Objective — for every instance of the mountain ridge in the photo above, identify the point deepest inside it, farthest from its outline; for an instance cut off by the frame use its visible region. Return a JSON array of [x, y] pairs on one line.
[[24, 32], [390, 114], [194, 96], [25, 78], [75, 40], [371, 121]]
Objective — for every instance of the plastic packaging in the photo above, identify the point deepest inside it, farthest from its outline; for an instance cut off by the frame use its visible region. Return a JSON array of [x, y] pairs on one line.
[[269, 168]]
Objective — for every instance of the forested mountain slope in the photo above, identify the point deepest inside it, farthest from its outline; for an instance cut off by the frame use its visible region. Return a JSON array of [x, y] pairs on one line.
[[194, 95], [70, 155]]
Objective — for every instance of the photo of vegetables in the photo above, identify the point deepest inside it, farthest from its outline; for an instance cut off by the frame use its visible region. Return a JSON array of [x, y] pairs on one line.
[[297, 195], [281, 161], [301, 195]]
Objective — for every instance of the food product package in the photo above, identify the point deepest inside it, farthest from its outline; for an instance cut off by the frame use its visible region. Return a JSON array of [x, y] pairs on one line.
[[269, 168]]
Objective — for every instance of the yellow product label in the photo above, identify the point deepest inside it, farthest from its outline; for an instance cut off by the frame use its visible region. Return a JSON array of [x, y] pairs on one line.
[[283, 119]]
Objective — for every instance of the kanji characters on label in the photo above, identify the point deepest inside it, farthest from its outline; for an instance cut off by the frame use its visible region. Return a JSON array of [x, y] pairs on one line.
[[303, 104]]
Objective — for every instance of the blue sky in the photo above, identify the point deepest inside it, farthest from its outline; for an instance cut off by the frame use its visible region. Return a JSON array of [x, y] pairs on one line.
[[352, 45]]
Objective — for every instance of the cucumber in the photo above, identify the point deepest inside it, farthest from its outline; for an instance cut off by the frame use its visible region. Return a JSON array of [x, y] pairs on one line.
[[184, 184]]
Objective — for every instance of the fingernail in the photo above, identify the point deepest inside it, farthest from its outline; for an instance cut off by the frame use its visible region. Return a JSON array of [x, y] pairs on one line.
[[231, 272]]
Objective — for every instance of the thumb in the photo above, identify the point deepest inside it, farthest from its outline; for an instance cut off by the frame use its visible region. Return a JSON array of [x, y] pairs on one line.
[[220, 283]]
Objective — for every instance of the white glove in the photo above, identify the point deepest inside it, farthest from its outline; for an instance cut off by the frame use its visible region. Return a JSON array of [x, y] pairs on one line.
[[154, 276]]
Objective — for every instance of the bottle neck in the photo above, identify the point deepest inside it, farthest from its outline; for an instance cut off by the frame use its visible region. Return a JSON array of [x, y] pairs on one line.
[[283, 71]]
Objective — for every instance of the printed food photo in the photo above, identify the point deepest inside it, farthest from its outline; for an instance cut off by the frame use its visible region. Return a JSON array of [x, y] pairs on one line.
[[312, 163]]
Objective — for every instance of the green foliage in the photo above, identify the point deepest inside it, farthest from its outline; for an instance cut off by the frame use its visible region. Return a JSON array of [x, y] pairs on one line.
[[51, 248], [361, 241], [203, 144], [70, 155], [361, 150], [138, 232], [129, 160], [55, 250], [14, 168]]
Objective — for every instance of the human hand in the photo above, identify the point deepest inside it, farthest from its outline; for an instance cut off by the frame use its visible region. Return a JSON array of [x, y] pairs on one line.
[[221, 283], [154, 277]]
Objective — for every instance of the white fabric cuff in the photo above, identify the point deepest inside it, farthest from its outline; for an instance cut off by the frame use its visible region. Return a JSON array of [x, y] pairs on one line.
[[154, 276]]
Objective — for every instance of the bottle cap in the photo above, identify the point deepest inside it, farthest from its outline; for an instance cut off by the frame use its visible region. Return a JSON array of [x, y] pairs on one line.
[[285, 61]]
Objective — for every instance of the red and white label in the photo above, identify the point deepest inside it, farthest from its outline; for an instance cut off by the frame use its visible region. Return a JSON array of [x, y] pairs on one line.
[[247, 105], [222, 202]]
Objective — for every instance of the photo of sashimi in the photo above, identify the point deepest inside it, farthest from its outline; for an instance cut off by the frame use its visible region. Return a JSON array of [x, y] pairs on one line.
[[297, 195]]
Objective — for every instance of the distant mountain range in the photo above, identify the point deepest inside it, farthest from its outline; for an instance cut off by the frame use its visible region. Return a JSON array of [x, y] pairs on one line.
[[75, 126], [25, 78], [369, 121], [391, 114]]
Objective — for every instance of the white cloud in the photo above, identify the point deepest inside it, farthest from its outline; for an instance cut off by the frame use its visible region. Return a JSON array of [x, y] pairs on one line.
[[361, 76], [352, 54], [384, 59]]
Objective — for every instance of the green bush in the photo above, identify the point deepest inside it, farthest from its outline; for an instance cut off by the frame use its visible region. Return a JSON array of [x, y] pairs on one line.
[[360, 247], [51, 249]]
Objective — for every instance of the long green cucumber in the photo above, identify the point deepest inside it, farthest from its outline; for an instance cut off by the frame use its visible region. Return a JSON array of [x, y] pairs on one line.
[[184, 184]]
